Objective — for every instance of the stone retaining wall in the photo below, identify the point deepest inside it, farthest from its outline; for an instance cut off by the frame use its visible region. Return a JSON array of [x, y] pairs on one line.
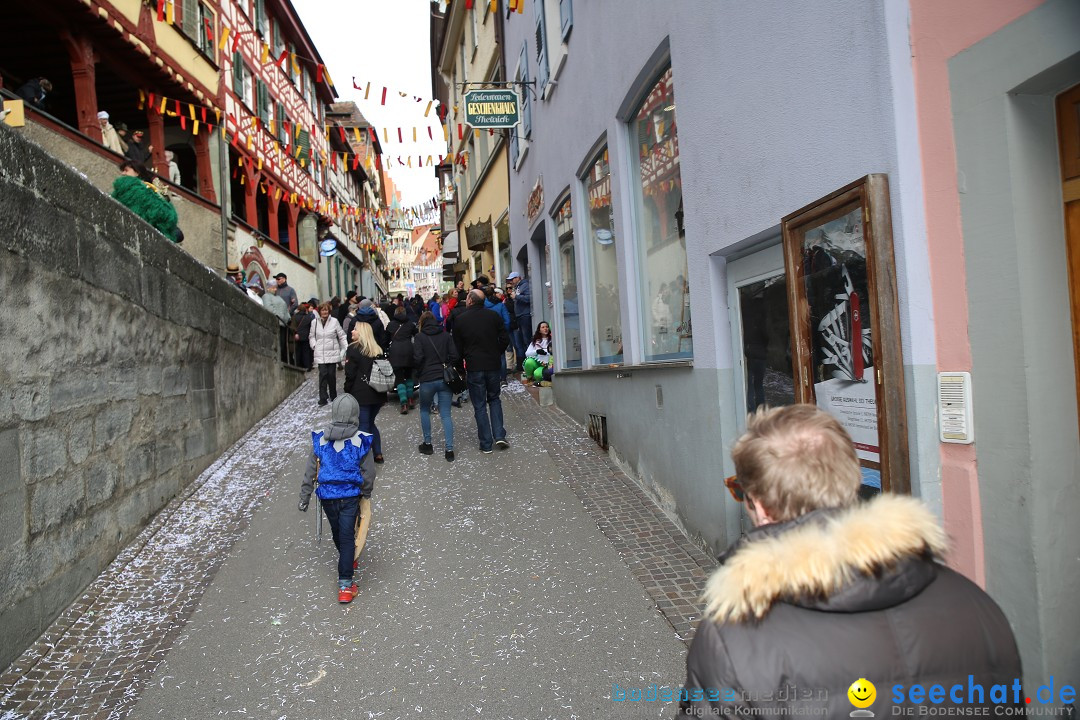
[[126, 368]]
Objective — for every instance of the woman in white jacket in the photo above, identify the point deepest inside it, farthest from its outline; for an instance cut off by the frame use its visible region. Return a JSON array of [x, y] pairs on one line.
[[538, 356], [328, 345]]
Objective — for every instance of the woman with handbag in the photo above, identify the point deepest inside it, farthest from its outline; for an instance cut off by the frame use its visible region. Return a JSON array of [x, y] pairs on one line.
[[359, 360], [434, 358]]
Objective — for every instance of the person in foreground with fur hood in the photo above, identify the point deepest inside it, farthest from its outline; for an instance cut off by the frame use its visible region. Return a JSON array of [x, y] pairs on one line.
[[835, 607]]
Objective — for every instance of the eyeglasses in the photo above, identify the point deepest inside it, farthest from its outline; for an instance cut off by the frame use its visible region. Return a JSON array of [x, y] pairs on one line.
[[736, 490]]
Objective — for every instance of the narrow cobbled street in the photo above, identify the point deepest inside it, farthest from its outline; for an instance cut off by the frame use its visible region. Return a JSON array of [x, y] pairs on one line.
[[521, 584]]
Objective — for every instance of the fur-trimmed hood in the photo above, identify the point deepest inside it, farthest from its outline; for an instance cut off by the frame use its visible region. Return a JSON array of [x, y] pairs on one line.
[[869, 556]]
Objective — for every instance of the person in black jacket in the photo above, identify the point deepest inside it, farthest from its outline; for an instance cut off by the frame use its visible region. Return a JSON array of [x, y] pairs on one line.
[[433, 348], [401, 331], [841, 600], [481, 338], [358, 361], [366, 314], [305, 358]]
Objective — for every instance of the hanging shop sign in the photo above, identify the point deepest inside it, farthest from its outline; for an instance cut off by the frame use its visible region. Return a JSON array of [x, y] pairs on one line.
[[478, 236], [492, 108], [845, 323], [328, 247]]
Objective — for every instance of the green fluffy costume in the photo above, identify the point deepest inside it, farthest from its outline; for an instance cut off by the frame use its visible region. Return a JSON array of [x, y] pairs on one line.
[[144, 201]]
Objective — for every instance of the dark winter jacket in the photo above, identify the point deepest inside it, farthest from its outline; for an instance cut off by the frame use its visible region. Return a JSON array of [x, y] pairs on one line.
[[455, 313], [303, 327], [431, 348], [401, 347], [357, 372], [838, 595], [369, 316], [481, 337], [143, 200], [137, 154]]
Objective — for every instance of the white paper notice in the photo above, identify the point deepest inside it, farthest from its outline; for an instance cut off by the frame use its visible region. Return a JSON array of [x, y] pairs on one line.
[[854, 404]]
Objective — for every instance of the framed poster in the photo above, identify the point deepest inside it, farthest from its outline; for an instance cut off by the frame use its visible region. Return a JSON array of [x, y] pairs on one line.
[[845, 323]]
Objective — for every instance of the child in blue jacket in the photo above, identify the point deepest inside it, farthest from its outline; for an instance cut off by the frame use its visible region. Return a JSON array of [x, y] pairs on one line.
[[342, 459]]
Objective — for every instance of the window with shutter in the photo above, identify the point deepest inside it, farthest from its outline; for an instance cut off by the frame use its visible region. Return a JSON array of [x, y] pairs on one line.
[[261, 23], [541, 46], [303, 141], [526, 94], [189, 12], [276, 34], [238, 74], [207, 30], [566, 18], [279, 124]]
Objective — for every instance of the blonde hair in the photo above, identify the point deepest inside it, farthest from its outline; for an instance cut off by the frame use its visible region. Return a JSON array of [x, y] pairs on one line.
[[365, 340], [795, 459]]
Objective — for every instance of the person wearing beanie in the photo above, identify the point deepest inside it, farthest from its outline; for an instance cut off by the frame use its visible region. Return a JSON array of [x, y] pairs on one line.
[[341, 471], [366, 313]]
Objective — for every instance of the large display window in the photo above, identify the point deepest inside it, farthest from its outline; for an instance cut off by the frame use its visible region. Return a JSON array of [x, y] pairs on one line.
[[661, 237], [845, 331], [568, 295], [603, 263]]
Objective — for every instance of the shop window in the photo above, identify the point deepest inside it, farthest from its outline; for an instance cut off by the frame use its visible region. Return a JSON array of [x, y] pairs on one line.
[[603, 263], [568, 295], [660, 236]]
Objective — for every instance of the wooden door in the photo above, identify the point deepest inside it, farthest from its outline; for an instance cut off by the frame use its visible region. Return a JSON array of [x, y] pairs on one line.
[[1068, 112]]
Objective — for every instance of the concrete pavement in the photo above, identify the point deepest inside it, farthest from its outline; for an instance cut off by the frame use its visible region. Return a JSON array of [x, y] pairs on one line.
[[487, 589]]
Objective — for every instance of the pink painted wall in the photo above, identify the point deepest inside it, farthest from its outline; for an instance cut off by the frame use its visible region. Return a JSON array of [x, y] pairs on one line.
[[939, 30]]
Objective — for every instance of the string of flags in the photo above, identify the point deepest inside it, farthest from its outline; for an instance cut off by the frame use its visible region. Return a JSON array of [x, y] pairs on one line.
[[200, 118]]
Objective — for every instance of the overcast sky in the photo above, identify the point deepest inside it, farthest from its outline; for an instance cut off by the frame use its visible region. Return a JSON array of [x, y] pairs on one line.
[[384, 42]]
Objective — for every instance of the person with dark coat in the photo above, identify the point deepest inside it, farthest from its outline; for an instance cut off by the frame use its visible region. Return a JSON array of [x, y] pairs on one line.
[[34, 91], [431, 349], [366, 314], [359, 359], [342, 310], [304, 355], [286, 292], [455, 312], [401, 331], [137, 153], [481, 339], [843, 600]]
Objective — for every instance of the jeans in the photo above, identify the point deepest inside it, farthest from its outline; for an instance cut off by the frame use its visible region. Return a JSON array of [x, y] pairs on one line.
[[367, 424], [342, 516], [428, 390], [519, 348], [484, 388], [525, 333], [327, 381]]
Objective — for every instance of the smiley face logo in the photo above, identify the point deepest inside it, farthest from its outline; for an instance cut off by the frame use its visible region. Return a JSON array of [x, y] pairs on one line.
[[862, 693]]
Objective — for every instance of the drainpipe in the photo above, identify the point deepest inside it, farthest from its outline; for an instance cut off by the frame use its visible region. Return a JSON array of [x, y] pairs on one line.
[[225, 200]]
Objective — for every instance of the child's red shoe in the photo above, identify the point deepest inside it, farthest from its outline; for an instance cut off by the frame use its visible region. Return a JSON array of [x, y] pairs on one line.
[[346, 595]]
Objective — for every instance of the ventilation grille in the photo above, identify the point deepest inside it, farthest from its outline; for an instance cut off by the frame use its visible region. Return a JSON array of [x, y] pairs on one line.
[[954, 408], [598, 429]]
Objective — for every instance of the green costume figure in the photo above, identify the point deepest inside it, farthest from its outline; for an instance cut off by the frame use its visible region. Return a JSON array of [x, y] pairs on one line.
[[538, 356], [142, 199]]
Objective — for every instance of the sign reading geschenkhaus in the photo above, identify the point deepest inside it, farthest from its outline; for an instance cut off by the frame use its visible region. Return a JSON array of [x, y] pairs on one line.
[[492, 108]]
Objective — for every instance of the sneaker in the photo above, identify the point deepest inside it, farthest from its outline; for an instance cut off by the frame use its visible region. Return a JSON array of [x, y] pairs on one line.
[[426, 449], [502, 444], [486, 452], [345, 595], [456, 403], [449, 455], [323, 402], [404, 409]]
